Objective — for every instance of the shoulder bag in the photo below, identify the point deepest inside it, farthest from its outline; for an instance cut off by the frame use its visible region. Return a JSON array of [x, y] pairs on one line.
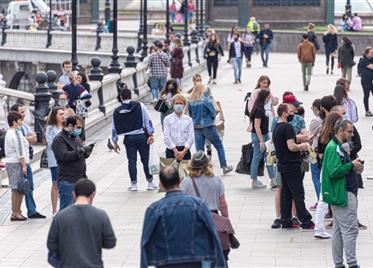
[[23, 185], [161, 106], [223, 227], [44, 159]]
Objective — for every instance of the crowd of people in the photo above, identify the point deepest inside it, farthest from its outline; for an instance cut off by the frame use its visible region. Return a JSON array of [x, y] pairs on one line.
[[328, 147]]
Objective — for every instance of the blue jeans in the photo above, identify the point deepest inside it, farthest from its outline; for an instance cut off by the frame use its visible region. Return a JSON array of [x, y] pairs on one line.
[[264, 52], [173, 16], [65, 190], [315, 172], [157, 85], [257, 156], [237, 67], [29, 197], [134, 144], [54, 174], [211, 134]]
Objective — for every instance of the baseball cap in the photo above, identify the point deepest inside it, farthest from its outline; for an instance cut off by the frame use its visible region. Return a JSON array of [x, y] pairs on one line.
[[292, 100]]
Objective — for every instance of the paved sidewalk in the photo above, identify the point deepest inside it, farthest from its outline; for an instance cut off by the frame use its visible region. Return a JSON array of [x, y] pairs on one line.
[[24, 244]]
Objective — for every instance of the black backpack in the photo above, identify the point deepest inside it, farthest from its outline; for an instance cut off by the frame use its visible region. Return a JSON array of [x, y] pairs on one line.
[[246, 101]]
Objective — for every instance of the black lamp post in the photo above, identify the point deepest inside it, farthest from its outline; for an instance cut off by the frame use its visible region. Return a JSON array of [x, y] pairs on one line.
[[107, 14], [186, 36], [167, 20], [74, 57], [114, 65], [50, 26], [139, 34], [348, 8], [201, 26], [197, 16], [144, 40]]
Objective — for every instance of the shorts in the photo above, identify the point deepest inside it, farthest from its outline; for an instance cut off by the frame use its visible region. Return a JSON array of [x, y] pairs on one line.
[[54, 174], [277, 182], [14, 171]]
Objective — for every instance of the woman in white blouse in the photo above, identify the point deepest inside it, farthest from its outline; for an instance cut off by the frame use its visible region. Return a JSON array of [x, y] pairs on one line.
[[16, 158]]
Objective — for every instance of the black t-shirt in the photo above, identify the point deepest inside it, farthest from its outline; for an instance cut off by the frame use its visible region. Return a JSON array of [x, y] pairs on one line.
[[286, 158], [260, 113]]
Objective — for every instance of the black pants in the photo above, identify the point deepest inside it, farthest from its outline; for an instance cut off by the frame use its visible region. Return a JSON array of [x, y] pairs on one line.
[[170, 153], [292, 189], [212, 65], [368, 89], [328, 55]]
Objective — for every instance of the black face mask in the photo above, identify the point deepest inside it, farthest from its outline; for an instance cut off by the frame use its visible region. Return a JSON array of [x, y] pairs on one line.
[[290, 117], [235, 39]]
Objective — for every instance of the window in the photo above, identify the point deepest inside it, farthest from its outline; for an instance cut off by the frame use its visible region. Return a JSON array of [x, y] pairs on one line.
[[293, 3], [224, 3]]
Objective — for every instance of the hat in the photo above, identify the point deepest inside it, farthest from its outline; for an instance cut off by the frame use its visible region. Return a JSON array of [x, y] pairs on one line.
[[292, 100], [199, 160]]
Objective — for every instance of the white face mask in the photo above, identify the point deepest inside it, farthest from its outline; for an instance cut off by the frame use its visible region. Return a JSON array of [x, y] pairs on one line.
[[63, 103], [179, 108]]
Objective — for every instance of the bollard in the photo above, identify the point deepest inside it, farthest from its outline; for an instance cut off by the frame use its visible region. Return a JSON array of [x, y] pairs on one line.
[[195, 40], [52, 77], [3, 34], [97, 75], [99, 30], [131, 63], [42, 98]]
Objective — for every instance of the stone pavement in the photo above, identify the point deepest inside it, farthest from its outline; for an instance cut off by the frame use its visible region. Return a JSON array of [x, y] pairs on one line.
[[24, 244]]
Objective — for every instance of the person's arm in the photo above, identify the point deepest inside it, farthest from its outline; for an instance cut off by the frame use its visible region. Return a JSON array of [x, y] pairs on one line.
[[108, 237], [53, 237], [208, 104], [146, 119], [167, 135], [258, 131], [221, 50], [270, 35], [290, 141], [252, 99], [223, 206], [336, 169], [150, 221], [17, 144], [59, 148], [299, 53], [165, 59]]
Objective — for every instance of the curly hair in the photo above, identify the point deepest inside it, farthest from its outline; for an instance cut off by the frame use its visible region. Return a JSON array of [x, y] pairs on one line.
[[198, 172]]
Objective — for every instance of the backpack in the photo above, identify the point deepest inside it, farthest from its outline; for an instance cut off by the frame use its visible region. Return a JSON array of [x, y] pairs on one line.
[[246, 101], [255, 26]]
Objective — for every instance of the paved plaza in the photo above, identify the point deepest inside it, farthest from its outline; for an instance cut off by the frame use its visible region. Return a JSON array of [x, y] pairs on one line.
[[23, 244]]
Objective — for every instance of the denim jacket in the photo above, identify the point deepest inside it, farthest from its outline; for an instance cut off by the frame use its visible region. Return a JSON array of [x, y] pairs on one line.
[[178, 229], [202, 112]]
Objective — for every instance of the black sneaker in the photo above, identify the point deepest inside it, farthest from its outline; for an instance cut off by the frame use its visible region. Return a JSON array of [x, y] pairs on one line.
[[295, 221], [305, 88], [308, 226], [37, 215], [276, 224]]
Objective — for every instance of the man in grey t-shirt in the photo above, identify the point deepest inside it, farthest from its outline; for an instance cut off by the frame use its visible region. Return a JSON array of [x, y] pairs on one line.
[[79, 232]]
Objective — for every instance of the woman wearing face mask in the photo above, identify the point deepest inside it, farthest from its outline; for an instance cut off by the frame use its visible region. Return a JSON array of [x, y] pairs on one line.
[[54, 126], [178, 131], [170, 90], [341, 95], [17, 156], [63, 102], [259, 135]]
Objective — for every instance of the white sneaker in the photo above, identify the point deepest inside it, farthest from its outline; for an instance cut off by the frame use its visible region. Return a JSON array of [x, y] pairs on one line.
[[323, 235], [133, 187], [258, 185], [151, 186]]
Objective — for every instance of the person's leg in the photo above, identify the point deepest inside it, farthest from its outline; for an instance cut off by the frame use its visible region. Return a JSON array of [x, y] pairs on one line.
[[257, 155], [349, 73], [65, 189], [344, 72], [249, 53], [297, 191], [303, 65], [143, 148], [332, 64], [215, 67], [286, 199], [14, 200], [337, 243], [239, 68], [327, 56], [211, 134], [366, 90], [199, 140], [54, 189], [309, 68], [266, 54], [208, 147], [262, 54], [131, 151], [162, 84], [209, 65], [154, 87], [321, 211], [315, 174], [278, 202], [30, 202], [235, 68]]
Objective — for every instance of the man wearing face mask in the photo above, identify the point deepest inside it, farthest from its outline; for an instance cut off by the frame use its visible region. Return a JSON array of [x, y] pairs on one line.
[[289, 165], [70, 155], [339, 189], [178, 131]]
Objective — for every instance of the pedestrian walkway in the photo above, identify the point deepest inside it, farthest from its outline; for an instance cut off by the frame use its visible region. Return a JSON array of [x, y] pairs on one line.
[[23, 244]]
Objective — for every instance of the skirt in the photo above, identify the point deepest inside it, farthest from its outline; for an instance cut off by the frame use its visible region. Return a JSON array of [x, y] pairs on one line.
[[14, 171]]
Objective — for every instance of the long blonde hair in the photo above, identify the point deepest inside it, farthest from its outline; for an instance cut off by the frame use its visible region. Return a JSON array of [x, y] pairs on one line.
[[331, 29], [197, 92]]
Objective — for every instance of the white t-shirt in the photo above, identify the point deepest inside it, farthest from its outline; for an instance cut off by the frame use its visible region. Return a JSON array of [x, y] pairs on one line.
[[16, 146]]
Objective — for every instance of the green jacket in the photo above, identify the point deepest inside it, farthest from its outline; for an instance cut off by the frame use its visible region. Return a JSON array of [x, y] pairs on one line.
[[336, 165]]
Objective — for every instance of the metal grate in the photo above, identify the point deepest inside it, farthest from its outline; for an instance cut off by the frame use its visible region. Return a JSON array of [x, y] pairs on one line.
[[294, 3], [224, 3]]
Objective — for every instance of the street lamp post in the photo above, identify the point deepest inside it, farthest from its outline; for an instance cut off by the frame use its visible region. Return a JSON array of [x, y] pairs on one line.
[[114, 65], [186, 36], [50, 26], [139, 34], [74, 57], [167, 20], [201, 26], [107, 14], [144, 46], [348, 8], [197, 16]]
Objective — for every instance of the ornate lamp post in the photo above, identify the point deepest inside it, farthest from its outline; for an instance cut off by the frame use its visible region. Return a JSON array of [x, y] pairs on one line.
[[107, 14], [144, 47], [201, 26], [139, 34], [74, 57], [348, 8], [50, 26], [114, 65], [167, 20], [186, 36]]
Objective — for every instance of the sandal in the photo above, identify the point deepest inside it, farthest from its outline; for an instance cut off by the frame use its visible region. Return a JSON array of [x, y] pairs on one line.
[[15, 218]]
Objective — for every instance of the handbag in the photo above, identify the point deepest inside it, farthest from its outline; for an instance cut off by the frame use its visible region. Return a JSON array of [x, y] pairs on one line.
[[223, 224], [23, 185], [161, 106], [44, 159]]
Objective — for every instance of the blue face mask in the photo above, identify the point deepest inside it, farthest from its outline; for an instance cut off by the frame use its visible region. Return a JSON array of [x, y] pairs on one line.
[[77, 132], [179, 108]]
